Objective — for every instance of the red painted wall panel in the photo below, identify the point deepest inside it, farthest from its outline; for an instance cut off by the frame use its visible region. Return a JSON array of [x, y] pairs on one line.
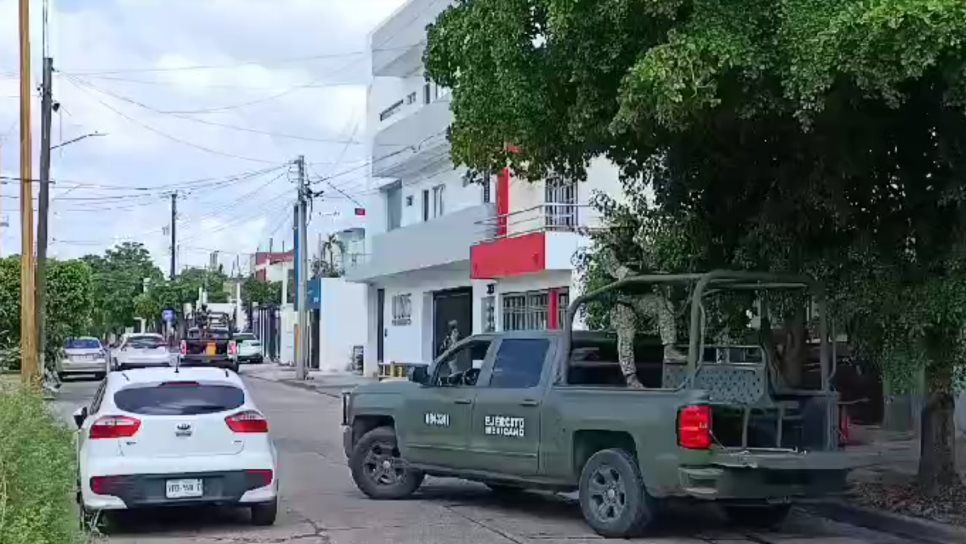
[[502, 201], [553, 304], [509, 256]]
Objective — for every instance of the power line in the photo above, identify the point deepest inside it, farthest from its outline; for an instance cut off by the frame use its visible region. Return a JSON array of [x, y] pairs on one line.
[[77, 81], [170, 137]]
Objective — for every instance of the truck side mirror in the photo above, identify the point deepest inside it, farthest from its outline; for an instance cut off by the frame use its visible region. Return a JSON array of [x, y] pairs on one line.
[[419, 374]]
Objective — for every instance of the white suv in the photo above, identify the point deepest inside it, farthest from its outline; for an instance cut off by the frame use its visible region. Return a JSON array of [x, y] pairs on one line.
[[170, 436]]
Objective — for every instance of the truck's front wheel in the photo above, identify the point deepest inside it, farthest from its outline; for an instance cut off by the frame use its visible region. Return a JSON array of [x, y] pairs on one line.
[[378, 470], [612, 495]]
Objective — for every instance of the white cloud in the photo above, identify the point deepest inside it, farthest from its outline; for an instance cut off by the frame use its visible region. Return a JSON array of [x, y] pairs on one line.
[[286, 65]]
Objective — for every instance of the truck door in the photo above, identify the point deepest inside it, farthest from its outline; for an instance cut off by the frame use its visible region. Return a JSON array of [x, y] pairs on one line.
[[505, 436], [437, 415]]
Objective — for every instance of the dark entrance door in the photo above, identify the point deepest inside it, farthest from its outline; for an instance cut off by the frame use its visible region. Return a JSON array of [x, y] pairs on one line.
[[451, 306], [380, 324], [314, 351]]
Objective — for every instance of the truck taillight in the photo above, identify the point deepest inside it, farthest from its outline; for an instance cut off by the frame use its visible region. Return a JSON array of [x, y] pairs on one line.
[[232, 347], [249, 421], [184, 348], [694, 427], [114, 427]]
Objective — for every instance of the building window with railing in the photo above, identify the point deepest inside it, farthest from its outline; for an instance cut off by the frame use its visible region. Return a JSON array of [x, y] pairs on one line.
[[560, 203], [525, 311], [402, 309], [563, 302], [439, 193], [488, 310]]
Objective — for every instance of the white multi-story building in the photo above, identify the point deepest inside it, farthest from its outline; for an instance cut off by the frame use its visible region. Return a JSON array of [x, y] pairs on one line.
[[442, 251]]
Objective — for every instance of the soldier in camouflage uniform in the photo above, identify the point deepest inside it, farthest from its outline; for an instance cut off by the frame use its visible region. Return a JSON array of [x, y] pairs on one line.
[[623, 317]]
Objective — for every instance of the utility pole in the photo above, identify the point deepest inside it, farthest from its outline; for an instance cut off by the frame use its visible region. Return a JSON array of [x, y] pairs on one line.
[[46, 103], [302, 356], [174, 230], [28, 316]]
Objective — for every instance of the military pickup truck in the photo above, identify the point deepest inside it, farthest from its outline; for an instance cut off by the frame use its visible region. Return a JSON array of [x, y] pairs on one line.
[[551, 410]]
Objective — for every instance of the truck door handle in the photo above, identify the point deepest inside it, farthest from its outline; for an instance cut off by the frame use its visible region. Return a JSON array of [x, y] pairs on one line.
[[529, 402], [462, 401]]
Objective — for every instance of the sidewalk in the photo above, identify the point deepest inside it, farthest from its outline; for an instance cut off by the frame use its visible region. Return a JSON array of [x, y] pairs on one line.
[[327, 383]]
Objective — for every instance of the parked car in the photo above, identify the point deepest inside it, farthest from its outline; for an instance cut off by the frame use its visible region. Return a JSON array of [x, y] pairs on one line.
[[84, 355], [141, 350], [249, 348], [175, 437]]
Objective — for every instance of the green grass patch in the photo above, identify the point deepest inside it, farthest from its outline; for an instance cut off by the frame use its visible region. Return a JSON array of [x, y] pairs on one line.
[[37, 473]]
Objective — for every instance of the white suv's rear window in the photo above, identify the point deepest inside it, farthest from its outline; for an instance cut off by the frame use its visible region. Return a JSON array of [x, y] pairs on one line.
[[179, 399]]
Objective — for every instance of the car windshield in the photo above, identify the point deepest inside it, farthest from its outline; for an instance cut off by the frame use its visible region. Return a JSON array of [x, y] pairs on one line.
[[179, 399], [82, 343], [144, 342]]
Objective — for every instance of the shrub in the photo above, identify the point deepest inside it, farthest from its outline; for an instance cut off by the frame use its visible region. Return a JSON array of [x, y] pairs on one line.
[[37, 473]]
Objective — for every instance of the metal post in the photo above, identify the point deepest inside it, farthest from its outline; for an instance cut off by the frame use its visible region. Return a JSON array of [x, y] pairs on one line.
[[302, 268], [46, 103], [174, 222]]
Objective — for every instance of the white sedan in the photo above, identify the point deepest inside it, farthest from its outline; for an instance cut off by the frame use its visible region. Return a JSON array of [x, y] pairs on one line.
[[170, 437], [141, 351]]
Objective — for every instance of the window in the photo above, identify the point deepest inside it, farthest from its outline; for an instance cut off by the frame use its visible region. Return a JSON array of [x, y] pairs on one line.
[[560, 196], [144, 342], [488, 309], [393, 208], [438, 196], [411, 98], [563, 302], [83, 343], [179, 399], [463, 366], [402, 309], [519, 363], [426, 205], [525, 311]]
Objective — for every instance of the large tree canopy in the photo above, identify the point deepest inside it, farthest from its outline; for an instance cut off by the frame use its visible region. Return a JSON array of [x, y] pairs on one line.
[[820, 136]]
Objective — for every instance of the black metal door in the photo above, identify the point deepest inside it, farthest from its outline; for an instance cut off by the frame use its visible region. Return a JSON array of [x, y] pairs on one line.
[[451, 307]]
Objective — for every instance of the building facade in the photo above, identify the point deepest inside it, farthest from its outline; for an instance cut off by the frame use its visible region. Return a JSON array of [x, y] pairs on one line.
[[444, 252]]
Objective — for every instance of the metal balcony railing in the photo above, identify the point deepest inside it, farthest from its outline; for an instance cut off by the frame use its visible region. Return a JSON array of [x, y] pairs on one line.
[[547, 217]]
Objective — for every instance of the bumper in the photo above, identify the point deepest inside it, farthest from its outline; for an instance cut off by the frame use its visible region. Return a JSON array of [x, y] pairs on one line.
[[86, 367], [148, 490], [144, 364], [250, 358], [217, 362]]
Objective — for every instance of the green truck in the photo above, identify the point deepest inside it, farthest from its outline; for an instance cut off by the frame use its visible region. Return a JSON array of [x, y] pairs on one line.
[[552, 410]]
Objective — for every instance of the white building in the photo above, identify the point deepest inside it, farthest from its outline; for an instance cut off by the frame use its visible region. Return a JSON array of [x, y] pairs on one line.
[[441, 250]]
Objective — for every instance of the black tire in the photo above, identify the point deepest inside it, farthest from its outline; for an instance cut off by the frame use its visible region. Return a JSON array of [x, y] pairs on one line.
[[264, 513], [763, 516], [612, 495], [371, 474]]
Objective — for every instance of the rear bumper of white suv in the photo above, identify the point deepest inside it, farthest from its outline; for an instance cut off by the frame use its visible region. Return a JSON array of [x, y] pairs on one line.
[[124, 485]]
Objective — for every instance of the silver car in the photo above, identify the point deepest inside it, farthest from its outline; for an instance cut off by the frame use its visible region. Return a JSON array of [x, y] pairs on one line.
[[84, 355]]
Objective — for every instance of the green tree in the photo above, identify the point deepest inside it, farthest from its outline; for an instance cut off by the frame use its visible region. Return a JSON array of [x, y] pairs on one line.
[[119, 278], [819, 136], [255, 291]]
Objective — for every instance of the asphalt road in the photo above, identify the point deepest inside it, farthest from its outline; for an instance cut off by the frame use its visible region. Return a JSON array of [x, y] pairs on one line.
[[320, 504]]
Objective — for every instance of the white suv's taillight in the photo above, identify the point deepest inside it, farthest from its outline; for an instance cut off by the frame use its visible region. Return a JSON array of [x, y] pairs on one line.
[[249, 421], [114, 427]]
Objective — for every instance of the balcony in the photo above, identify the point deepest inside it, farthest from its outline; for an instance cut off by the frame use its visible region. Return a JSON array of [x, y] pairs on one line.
[[411, 139], [445, 241], [398, 44], [537, 239]]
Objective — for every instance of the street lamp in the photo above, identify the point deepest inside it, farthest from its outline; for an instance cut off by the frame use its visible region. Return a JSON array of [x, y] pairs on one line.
[[77, 139]]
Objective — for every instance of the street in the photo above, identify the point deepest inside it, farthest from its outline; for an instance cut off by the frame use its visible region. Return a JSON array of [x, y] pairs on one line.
[[320, 504]]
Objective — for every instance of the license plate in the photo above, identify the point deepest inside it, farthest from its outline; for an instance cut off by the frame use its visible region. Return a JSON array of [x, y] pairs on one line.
[[212, 349], [183, 489]]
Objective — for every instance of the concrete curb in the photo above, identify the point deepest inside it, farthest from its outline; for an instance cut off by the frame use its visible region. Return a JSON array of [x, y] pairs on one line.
[[915, 529]]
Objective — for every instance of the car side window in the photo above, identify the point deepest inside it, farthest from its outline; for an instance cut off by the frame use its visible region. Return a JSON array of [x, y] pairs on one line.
[[462, 367], [519, 363]]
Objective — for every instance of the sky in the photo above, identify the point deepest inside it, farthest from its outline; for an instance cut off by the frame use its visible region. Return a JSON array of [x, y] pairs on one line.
[[212, 98]]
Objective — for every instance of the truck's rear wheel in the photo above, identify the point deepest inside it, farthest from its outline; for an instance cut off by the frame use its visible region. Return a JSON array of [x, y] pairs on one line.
[[612, 495], [378, 470], [765, 516]]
